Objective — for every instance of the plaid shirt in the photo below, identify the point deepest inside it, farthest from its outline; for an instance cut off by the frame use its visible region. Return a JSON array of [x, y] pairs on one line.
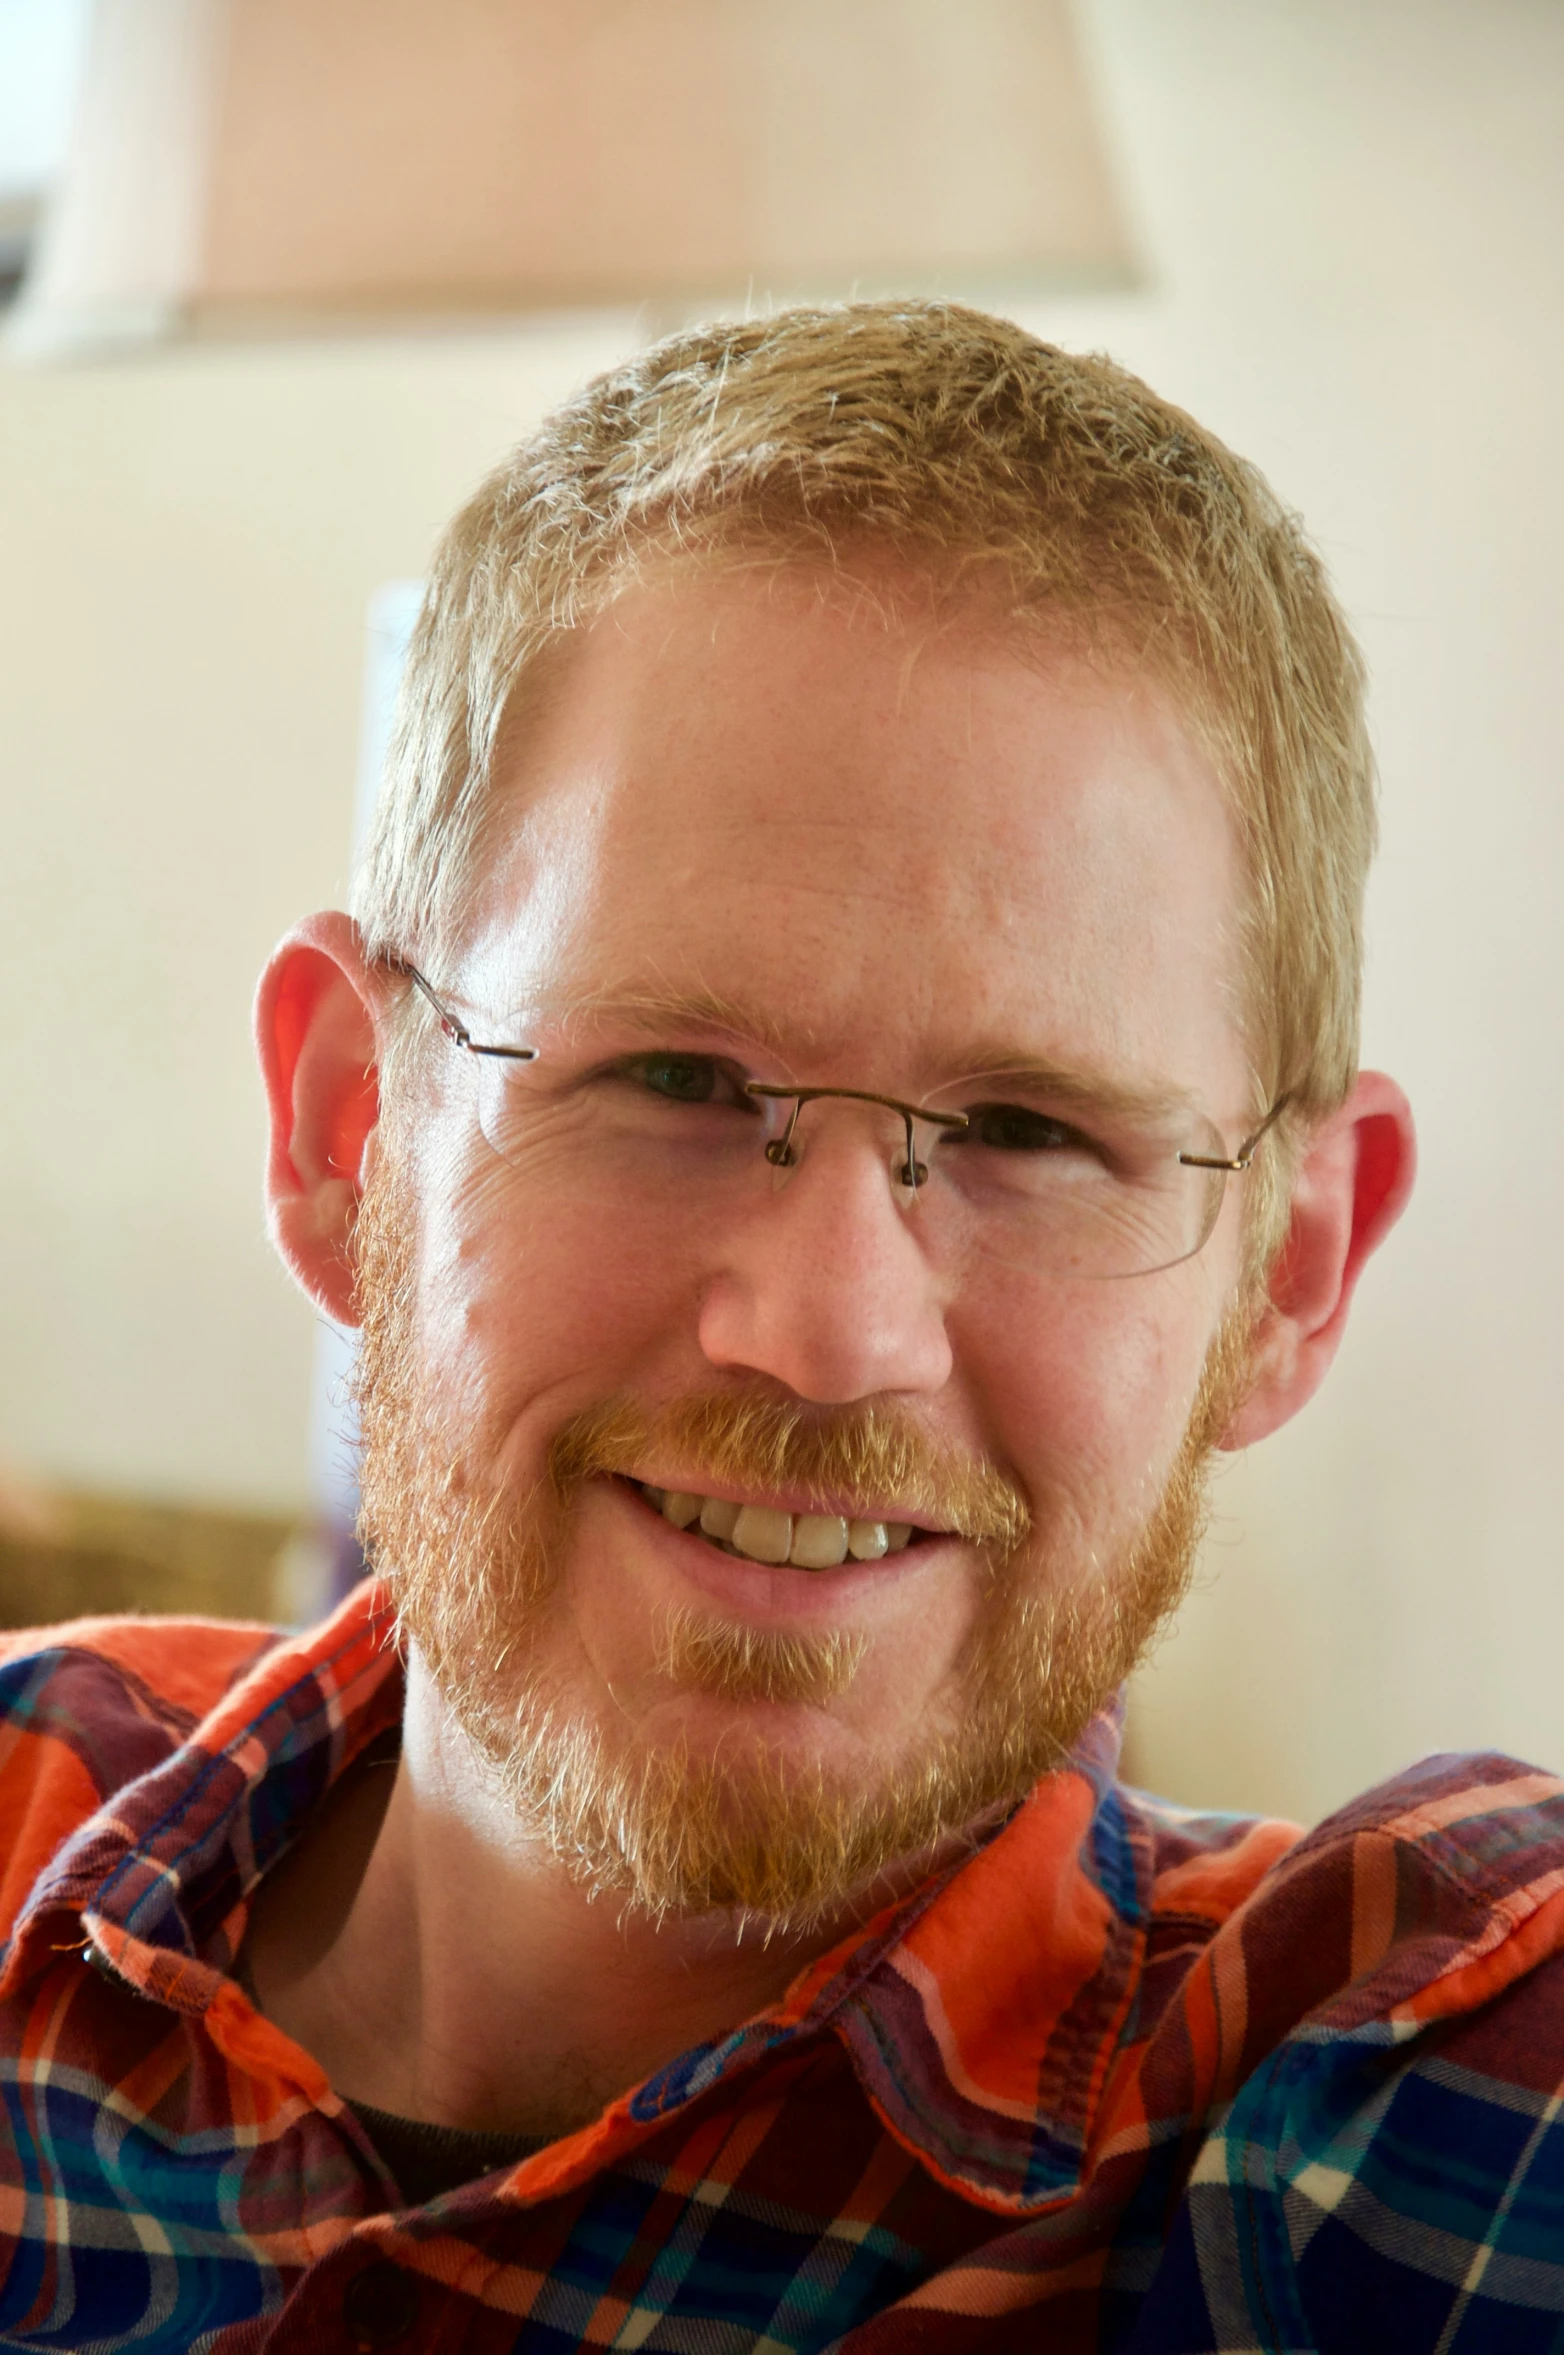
[[1128, 2078]]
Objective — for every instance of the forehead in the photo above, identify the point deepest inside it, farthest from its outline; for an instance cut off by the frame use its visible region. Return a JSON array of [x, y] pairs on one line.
[[883, 827]]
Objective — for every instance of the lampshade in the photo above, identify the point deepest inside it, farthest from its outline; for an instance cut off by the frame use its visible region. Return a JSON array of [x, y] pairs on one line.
[[255, 163]]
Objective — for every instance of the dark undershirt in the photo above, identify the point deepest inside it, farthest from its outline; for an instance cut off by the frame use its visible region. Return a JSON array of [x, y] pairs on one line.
[[425, 2161]]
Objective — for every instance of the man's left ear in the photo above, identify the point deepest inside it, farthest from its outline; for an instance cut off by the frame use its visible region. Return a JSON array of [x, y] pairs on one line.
[[1351, 1187]]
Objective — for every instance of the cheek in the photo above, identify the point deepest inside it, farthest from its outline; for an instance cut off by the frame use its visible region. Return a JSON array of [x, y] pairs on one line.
[[1088, 1390], [533, 1308]]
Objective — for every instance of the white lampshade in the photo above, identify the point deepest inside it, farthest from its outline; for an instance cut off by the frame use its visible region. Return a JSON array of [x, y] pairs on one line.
[[248, 163]]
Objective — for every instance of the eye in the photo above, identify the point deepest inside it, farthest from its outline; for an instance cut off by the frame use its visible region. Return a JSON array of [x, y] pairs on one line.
[[1014, 1128], [688, 1079]]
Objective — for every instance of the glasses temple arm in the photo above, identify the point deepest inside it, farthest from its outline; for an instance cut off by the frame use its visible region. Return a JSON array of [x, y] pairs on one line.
[[1245, 1154], [457, 1032]]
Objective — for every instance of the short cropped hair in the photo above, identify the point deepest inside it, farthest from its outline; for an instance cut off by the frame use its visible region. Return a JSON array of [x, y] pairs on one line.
[[1054, 486]]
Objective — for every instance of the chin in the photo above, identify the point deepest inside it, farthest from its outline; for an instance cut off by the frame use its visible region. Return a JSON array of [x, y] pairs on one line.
[[798, 1738]]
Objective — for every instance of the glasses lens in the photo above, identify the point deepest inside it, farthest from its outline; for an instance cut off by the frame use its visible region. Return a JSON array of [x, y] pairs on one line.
[[635, 1130], [1064, 1194]]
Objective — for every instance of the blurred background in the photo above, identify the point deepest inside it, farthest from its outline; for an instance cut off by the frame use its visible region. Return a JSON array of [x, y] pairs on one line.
[[284, 277]]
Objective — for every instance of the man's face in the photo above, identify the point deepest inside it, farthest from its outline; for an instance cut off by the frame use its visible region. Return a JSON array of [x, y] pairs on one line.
[[752, 825]]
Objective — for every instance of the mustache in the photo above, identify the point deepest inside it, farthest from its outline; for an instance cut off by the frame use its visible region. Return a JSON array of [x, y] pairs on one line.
[[871, 1455]]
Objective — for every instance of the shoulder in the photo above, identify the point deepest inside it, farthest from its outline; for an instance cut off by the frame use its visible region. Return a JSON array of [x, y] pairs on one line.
[[181, 1666], [1420, 1900], [1385, 2017], [86, 1707], [1201, 1863], [1424, 1897]]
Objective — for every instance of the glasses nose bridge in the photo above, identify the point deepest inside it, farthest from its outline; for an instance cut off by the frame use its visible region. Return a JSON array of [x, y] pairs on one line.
[[784, 1151]]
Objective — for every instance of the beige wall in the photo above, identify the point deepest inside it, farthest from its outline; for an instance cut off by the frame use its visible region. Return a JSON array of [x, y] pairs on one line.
[[1356, 212], [1350, 213], [187, 547]]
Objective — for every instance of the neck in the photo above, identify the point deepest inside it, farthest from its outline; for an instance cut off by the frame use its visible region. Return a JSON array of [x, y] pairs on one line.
[[440, 1962]]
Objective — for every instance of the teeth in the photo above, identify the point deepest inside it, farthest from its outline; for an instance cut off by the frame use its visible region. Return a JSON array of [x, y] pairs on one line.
[[718, 1517], [762, 1534], [810, 1541], [819, 1541]]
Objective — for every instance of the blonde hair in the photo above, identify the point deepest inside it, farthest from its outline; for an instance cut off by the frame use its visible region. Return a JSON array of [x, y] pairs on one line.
[[1054, 486]]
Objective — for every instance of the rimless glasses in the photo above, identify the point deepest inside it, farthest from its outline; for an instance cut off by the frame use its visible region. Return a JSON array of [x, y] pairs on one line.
[[1041, 1172]]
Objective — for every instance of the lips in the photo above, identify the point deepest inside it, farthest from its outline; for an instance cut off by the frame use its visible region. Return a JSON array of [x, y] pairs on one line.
[[763, 1533]]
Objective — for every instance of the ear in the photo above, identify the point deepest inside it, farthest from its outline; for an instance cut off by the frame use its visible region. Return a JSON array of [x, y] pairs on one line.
[[1351, 1187], [315, 1031]]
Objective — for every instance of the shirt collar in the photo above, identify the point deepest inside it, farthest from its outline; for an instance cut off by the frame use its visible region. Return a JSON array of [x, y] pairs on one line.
[[159, 1877]]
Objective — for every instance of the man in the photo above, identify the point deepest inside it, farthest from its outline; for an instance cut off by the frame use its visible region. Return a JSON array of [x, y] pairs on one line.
[[839, 1092]]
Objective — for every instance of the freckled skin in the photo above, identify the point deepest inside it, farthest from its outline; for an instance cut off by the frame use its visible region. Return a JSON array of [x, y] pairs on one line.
[[895, 842]]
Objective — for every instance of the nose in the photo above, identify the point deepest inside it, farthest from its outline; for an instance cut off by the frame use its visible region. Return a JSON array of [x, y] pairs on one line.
[[825, 1286]]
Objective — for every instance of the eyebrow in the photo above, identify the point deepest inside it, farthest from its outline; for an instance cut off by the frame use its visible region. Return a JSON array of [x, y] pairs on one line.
[[652, 1011], [1078, 1084]]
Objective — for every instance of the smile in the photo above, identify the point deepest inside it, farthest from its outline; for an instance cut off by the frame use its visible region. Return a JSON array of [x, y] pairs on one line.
[[761, 1533]]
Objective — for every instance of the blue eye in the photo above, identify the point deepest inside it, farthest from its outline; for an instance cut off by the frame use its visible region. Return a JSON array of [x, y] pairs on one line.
[[688, 1079]]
